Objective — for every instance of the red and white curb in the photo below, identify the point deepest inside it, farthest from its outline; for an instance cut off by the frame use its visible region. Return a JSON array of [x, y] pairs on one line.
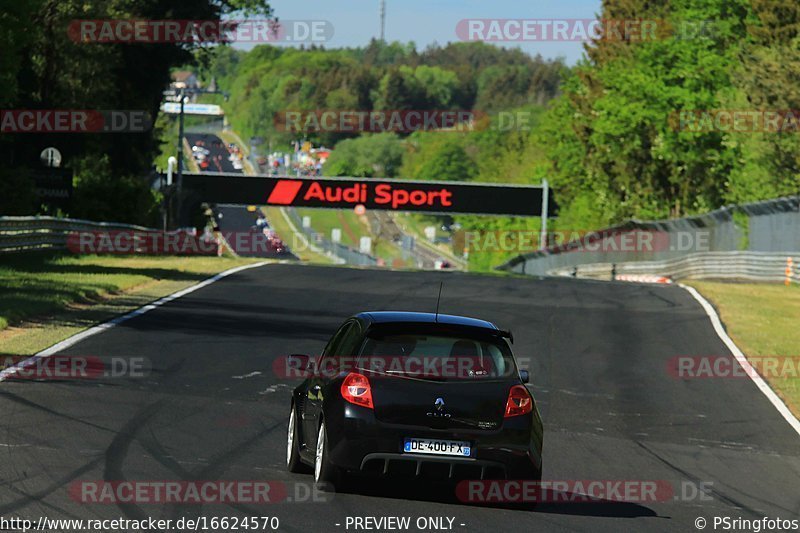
[[643, 278]]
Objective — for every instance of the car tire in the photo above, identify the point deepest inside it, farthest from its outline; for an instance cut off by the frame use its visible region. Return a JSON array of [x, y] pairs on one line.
[[536, 476], [293, 462], [325, 472]]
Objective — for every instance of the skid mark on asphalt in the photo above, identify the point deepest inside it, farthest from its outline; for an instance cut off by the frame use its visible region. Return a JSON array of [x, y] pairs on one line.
[[118, 450], [688, 475], [39, 496], [217, 466], [658, 293], [33, 405], [169, 370]]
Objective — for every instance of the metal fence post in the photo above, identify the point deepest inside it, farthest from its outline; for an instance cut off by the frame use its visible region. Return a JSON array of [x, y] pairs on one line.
[[543, 234]]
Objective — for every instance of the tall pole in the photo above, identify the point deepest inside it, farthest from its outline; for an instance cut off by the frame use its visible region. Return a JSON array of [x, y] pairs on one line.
[[182, 94], [543, 235], [383, 20], [180, 160]]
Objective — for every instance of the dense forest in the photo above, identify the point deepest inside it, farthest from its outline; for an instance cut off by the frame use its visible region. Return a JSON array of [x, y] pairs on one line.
[[612, 150], [269, 81], [42, 67], [603, 131]]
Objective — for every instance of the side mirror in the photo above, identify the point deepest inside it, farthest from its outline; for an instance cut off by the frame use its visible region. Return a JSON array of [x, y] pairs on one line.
[[525, 376]]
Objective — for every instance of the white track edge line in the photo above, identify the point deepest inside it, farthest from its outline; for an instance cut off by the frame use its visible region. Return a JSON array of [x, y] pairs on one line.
[[105, 326], [762, 385]]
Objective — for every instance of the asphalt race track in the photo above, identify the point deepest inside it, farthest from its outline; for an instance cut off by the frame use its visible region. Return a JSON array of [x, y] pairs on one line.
[[213, 409], [218, 158], [236, 219]]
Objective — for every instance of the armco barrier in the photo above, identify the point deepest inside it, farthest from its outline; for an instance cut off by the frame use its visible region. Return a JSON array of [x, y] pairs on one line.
[[755, 266], [770, 226], [49, 233]]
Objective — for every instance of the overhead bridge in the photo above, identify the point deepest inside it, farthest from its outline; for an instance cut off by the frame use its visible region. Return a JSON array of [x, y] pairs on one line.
[[439, 197]]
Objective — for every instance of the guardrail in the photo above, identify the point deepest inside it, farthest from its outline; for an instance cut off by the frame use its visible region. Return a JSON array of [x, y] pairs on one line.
[[19, 234], [754, 266], [771, 226], [340, 251]]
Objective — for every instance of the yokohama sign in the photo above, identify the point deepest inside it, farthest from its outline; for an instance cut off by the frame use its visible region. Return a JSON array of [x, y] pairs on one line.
[[391, 195]]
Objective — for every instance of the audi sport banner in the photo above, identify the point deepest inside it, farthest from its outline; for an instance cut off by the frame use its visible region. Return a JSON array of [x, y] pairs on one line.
[[381, 194]]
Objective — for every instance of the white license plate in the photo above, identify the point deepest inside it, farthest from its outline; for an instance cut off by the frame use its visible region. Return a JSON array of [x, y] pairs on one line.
[[437, 447]]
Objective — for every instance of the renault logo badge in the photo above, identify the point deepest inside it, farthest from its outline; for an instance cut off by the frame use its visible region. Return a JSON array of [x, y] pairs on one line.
[[438, 409], [439, 404]]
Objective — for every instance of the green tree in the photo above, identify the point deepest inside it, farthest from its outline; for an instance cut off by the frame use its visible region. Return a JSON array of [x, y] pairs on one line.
[[43, 66], [769, 78], [449, 163], [398, 90], [375, 155], [613, 135]]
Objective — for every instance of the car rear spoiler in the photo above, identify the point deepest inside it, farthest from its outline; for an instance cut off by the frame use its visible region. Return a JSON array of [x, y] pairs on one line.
[[507, 334]]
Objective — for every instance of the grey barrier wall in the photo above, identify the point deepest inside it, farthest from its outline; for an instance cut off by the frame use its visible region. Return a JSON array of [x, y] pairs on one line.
[[767, 226], [755, 266], [19, 234]]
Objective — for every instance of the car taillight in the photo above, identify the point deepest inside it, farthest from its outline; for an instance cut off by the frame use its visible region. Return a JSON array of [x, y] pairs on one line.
[[519, 401], [356, 390]]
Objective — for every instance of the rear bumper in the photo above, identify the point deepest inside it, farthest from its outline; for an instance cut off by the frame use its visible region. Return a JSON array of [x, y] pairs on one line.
[[431, 466], [361, 443]]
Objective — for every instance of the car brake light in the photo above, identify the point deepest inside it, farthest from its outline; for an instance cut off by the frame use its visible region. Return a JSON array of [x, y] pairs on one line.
[[356, 390], [519, 401]]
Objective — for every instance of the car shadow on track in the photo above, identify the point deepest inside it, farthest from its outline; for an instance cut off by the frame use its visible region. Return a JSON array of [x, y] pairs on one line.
[[568, 503]]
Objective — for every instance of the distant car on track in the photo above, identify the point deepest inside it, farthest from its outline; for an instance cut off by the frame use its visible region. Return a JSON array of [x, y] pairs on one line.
[[421, 395]]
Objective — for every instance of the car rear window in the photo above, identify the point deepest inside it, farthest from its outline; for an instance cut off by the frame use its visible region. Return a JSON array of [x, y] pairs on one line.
[[436, 356]]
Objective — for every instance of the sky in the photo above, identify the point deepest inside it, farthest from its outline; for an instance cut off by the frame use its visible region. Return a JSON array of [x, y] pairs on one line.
[[355, 22]]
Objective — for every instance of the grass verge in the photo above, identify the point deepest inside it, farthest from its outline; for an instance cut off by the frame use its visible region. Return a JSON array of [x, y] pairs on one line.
[[324, 220], [295, 241], [762, 320], [353, 228], [45, 298]]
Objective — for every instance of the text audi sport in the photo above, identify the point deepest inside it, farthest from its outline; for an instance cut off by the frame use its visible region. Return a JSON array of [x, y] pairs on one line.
[[463, 414], [381, 194]]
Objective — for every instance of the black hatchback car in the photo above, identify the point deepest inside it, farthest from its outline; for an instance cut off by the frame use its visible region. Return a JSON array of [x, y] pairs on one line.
[[414, 394]]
